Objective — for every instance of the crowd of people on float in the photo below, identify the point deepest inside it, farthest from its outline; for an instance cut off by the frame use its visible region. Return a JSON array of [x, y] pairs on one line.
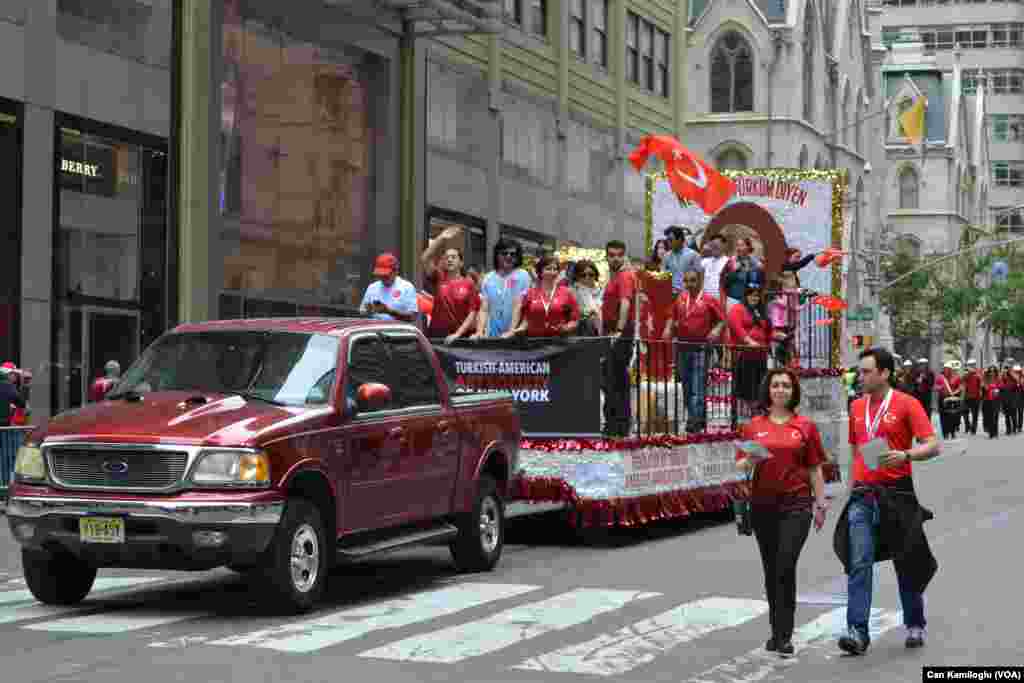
[[881, 519], [718, 299]]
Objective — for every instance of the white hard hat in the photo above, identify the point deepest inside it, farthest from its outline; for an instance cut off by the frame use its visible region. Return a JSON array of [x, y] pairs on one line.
[[972, 362], [1017, 368], [922, 360], [907, 363]]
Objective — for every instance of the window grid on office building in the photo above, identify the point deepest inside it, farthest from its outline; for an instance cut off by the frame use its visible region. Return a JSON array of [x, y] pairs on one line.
[[530, 15], [647, 55], [1006, 127], [1008, 173]]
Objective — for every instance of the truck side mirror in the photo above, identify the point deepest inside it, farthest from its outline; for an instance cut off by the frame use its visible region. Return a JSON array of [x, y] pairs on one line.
[[373, 396]]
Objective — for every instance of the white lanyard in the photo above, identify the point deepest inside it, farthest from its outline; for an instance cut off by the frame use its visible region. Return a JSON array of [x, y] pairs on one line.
[[873, 425], [545, 301]]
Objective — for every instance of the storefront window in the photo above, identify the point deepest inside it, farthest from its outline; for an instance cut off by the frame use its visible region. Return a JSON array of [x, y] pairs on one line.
[[300, 123], [10, 236], [111, 248]]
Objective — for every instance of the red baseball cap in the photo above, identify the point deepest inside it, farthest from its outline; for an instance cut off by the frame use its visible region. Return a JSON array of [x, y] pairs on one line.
[[386, 264], [9, 365]]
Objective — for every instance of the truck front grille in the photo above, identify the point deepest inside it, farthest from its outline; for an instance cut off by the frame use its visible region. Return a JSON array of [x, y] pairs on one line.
[[117, 468]]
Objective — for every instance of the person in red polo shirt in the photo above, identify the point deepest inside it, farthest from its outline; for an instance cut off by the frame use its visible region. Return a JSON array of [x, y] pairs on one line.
[[697, 319], [548, 309], [751, 330], [456, 300], [785, 486], [882, 510], [617, 319], [972, 393]]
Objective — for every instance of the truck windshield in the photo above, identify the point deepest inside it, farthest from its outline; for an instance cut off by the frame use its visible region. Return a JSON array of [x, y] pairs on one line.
[[279, 367]]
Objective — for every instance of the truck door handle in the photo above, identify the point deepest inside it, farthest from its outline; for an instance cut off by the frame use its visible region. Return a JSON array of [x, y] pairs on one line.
[[444, 427]]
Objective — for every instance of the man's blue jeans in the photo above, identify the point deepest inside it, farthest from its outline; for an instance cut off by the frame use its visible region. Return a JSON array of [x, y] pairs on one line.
[[863, 520], [690, 369]]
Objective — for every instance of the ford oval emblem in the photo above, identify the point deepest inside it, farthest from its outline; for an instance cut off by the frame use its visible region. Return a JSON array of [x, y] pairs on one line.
[[115, 467]]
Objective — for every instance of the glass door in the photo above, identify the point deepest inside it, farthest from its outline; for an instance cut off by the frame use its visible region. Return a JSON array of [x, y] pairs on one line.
[[107, 334]]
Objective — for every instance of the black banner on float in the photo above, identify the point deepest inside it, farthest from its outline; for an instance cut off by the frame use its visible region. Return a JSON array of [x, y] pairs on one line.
[[555, 383]]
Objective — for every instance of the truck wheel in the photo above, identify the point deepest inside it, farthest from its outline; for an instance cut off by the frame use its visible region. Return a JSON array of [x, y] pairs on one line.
[[481, 532], [297, 558], [57, 578]]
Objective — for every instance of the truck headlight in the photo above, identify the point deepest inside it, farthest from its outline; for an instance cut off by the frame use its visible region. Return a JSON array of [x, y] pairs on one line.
[[232, 468], [29, 464]]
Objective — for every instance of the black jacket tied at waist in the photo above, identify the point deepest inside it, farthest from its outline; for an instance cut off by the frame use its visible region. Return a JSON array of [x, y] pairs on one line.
[[900, 536]]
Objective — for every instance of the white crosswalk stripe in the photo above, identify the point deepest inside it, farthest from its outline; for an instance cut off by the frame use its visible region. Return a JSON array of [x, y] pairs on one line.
[[485, 618], [640, 643], [19, 605], [106, 623], [316, 634], [819, 634], [507, 628]]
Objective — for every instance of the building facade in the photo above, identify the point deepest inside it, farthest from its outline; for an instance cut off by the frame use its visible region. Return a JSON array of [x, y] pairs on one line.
[[527, 134], [936, 191], [87, 270], [986, 38]]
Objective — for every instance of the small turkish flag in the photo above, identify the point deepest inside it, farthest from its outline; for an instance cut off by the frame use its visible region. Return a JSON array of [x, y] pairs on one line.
[[833, 304], [828, 257], [690, 176]]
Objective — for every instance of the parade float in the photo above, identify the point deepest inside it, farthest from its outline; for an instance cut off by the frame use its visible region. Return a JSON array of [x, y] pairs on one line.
[[564, 462]]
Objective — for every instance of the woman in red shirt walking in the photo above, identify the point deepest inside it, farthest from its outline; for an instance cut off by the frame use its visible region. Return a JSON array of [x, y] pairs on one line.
[[786, 488], [548, 309]]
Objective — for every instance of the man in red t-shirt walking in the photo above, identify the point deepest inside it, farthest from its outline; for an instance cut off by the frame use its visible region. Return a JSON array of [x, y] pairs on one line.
[[882, 504], [972, 384]]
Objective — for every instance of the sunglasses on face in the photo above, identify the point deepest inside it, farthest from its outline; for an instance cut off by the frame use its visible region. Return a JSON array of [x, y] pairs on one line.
[[590, 275], [509, 252]]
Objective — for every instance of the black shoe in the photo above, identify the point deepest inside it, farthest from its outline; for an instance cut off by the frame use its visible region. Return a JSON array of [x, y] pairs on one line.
[[786, 649], [770, 646], [853, 643], [915, 638]]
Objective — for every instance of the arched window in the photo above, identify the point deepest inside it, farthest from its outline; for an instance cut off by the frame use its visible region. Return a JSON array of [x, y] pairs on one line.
[[732, 159], [732, 75], [803, 157], [809, 63], [908, 182]]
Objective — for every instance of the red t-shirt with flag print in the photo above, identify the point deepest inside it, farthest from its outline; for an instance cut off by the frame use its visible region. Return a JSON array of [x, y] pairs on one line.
[[904, 421], [782, 481]]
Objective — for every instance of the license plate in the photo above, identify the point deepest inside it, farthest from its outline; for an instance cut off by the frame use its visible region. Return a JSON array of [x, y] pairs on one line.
[[101, 529]]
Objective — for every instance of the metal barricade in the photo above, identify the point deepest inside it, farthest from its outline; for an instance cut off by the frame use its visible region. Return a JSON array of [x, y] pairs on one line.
[[672, 380], [11, 439]]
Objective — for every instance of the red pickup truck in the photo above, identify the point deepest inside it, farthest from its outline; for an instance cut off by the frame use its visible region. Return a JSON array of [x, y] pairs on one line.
[[274, 447]]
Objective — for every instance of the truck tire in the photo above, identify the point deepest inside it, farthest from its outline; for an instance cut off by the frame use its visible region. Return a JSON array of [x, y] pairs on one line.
[[296, 570], [481, 537], [57, 578]]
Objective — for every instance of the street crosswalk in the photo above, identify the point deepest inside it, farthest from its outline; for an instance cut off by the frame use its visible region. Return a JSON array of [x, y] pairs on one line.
[[597, 632]]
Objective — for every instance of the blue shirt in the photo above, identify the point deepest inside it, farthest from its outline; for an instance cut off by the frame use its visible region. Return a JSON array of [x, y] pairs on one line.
[[400, 296], [501, 294], [678, 262]]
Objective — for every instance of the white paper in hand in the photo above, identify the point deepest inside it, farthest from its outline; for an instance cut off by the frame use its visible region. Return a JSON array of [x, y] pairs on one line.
[[754, 450], [872, 452]]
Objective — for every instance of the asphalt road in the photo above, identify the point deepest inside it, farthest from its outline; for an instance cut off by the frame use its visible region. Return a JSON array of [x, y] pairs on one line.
[[674, 602]]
